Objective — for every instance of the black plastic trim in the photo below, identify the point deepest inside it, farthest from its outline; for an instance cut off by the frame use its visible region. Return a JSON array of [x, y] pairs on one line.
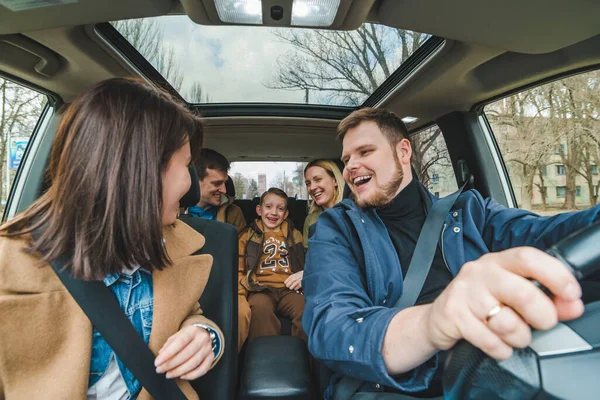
[[53, 98], [407, 67], [272, 110], [587, 326]]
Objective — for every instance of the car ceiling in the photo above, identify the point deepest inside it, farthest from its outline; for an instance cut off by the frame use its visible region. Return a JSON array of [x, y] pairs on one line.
[[491, 48]]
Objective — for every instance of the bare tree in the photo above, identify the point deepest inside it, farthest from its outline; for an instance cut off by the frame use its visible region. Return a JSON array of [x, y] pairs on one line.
[[429, 150], [147, 36], [283, 182], [525, 137], [240, 184], [252, 189], [344, 67], [299, 187], [557, 123], [581, 116], [198, 95]]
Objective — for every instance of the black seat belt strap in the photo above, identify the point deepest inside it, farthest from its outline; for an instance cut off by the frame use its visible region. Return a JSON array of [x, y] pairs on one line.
[[417, 272], [103, 310], [420, 263]]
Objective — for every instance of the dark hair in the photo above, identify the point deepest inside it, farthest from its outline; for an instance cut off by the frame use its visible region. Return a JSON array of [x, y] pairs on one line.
[[277, 192], [210, 159], [104, 204], [390, 124]]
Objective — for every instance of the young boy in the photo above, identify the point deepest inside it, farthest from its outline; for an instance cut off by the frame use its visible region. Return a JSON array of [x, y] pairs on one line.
[[270, 271]]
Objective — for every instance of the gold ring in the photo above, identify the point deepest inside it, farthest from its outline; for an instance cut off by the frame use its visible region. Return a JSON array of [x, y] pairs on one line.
[[493, 312]]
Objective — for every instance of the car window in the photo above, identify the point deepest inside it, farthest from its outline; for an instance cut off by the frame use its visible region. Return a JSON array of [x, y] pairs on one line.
[[20, 110], [252, 178], [549, 138], [238, 64], [431, 161]]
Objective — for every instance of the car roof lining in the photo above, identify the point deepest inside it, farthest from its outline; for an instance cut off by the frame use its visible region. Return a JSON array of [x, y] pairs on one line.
[[533, 26]]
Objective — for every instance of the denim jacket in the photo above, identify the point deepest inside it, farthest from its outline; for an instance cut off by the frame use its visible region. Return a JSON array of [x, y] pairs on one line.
[[352, 277], [134, 293]]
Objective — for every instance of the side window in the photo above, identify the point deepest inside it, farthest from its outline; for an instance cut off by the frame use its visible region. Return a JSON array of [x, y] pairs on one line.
[[432, 162], [20, 110], [549, 137]]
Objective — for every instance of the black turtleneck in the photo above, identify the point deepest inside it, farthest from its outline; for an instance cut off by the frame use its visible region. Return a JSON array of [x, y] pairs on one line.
[[404, 217]]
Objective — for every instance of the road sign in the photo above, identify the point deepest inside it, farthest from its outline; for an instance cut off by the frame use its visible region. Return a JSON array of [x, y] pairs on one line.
[[17, 147]]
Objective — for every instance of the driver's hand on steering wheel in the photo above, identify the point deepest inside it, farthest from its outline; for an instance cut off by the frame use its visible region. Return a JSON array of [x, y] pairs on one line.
[[492, 304]]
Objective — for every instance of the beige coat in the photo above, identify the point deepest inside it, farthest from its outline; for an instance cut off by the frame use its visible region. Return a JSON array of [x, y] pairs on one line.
[[45, 338]]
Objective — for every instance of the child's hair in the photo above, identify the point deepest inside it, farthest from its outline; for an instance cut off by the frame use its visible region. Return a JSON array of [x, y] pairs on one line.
[[276, 192]]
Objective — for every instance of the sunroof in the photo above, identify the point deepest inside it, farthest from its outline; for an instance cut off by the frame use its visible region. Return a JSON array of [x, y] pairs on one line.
[[241, 64]]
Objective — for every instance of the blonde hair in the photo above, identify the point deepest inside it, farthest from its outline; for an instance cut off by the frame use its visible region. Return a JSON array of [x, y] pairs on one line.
[[334, 172]]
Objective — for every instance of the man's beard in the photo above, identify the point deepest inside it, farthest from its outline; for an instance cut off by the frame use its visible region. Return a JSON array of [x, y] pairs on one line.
[[387, 192]]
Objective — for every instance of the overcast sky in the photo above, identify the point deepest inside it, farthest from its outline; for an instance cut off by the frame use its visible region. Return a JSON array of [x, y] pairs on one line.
[[231, 63]]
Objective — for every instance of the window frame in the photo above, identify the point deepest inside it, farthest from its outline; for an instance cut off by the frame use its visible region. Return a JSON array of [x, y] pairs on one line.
[[19, 183]]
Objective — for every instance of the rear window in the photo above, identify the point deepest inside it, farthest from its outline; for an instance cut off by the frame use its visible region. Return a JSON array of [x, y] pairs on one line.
[[252, 178]]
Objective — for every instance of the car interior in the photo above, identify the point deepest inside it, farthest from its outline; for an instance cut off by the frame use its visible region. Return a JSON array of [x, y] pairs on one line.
[[475, 53]]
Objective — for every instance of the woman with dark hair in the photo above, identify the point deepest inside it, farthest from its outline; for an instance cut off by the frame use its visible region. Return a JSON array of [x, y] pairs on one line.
[[325, 184], [117, 170]]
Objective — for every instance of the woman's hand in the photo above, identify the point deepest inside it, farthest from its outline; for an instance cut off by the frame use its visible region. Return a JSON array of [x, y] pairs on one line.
[[187, 354], [294, 281]]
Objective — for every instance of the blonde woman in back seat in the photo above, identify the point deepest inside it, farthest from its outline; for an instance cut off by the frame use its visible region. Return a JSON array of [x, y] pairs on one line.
[[325, 185], [118, 168]]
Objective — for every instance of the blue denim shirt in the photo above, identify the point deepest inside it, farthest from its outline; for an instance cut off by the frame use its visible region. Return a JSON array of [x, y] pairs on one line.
[[135, 296]]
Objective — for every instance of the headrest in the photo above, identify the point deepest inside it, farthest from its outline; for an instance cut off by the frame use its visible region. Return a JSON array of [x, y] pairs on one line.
[[192, 197], [229, 187]]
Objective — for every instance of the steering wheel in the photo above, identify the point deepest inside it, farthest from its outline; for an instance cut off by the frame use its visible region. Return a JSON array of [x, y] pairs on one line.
[[561, 363]]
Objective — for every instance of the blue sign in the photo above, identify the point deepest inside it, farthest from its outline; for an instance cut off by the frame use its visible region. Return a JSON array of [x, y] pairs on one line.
[[16, 150]]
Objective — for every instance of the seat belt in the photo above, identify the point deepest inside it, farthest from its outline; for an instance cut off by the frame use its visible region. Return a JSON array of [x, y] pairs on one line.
[[102, 308], [417, 272]]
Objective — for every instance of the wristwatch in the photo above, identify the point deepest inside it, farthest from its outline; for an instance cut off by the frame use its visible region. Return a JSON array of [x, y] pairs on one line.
[[215, 338]]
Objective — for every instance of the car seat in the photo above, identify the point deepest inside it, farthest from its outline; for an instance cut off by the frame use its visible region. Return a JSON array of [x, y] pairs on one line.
[[219, 299]]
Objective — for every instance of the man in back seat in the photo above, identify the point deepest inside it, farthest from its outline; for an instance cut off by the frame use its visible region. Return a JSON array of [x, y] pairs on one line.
[[214, 204]]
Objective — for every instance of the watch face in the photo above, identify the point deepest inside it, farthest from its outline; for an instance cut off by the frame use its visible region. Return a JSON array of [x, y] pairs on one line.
[[214, 337]]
